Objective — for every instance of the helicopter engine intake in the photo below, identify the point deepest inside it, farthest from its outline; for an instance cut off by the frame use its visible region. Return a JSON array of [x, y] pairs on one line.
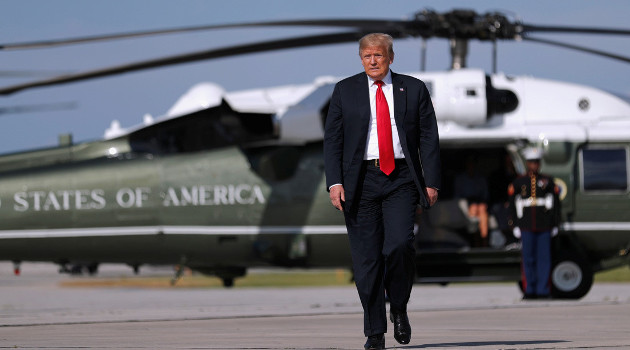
[[458, 96]]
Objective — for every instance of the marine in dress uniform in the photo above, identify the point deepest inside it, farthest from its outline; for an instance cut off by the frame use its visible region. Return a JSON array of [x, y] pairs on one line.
[[535, 216]]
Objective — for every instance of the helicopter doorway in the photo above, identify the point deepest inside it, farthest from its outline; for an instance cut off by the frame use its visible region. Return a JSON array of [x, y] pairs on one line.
[[472, 211]]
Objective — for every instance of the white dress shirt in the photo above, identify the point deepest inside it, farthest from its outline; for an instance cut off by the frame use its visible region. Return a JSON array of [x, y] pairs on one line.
[[371, 151]]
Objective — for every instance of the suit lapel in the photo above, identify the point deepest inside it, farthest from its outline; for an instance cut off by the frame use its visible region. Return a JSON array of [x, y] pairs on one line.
[[363, 101], [400, 109], [400, 99]]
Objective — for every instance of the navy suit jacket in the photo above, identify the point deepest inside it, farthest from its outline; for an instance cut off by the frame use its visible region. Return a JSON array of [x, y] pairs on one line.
[[346, 131]]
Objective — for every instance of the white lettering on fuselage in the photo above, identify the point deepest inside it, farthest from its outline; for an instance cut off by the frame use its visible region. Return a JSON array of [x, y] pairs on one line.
[[138, 197], [128, 197], [59, 200], [213, 195]]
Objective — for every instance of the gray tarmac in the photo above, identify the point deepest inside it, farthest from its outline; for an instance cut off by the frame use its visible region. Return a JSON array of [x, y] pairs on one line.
[[37, 313]]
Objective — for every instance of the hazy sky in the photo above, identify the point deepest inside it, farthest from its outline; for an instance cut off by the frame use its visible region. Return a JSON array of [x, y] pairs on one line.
[[128, 97]]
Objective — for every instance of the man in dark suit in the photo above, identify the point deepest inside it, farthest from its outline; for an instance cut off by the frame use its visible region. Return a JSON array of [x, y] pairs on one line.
[[382, 159]]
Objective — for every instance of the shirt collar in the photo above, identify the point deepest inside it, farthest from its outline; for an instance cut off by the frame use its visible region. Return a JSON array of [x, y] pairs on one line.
[[387, 80]]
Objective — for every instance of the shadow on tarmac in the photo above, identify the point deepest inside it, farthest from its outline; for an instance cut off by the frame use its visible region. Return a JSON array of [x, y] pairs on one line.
[[482, 343]]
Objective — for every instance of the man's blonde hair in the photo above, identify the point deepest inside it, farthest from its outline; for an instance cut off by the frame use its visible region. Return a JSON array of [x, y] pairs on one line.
[[377, 39]]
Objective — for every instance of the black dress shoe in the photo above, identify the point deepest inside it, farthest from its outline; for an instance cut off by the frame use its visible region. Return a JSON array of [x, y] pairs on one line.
[[528, 296], [375, 342], [402, 329]]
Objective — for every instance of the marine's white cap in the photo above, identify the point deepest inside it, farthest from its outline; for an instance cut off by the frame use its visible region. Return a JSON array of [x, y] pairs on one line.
[[532, 153]]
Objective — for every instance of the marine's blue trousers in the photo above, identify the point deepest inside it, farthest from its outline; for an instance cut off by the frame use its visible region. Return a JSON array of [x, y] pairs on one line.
[[536, 262]]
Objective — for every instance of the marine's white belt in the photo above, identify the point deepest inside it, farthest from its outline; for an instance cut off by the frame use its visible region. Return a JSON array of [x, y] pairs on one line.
[[521, 203]]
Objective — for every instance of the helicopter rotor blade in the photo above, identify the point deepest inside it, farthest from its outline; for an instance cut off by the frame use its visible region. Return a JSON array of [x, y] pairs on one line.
[[527, 28], [363, 24], [579, 48], [296, 42], [456, 24], [47, 107], [426, 23], [29, 73]]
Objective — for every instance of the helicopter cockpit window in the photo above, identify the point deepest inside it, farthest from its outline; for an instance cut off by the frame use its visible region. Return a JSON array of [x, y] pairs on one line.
[[209, 129], [604, 169]]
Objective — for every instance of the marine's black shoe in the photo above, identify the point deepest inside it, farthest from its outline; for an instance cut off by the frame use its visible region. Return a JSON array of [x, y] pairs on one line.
[[402, 329], [528, 296], [375, 342]]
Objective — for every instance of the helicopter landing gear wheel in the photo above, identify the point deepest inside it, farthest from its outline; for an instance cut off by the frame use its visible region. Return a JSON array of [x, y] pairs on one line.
[[92, 269], [571, 277], [228, 282]]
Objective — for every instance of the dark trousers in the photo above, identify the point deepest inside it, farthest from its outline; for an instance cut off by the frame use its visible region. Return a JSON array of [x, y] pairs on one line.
[[536, 261], [380, 228]]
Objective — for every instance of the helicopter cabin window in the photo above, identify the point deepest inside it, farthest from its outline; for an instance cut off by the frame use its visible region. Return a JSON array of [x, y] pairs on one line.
[[604, 169]]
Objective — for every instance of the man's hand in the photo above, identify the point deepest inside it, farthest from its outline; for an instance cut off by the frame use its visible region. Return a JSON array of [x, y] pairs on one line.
[[432, 195], [337, 195]]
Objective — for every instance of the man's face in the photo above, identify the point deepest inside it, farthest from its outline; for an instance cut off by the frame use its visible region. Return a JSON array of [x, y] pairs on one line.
[[376, 61], [533, 166]]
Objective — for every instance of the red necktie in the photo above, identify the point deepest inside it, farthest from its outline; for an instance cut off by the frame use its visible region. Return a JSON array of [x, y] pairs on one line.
[[384, 129]]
